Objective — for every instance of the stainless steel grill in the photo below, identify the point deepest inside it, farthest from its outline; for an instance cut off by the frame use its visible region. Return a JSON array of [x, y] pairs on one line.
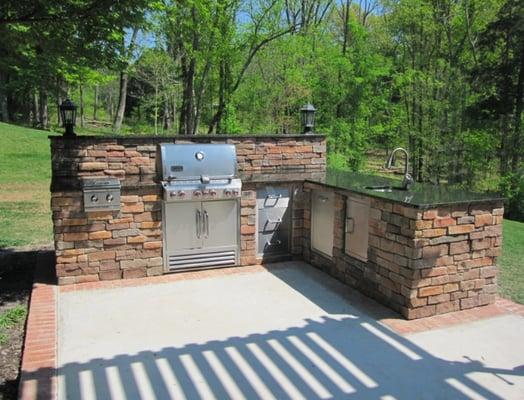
[[200, 211]]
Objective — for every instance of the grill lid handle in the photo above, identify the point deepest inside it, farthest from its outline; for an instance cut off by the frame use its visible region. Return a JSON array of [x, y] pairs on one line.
[[204, 179]]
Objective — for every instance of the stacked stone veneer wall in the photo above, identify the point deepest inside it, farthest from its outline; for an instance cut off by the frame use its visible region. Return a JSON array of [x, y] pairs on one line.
[[128, 243], [107, 245], [420, 262], [124, 156]]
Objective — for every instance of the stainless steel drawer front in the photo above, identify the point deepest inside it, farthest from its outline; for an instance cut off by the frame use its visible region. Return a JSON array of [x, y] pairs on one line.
[[271, 219], [272, 197], [273, 242]]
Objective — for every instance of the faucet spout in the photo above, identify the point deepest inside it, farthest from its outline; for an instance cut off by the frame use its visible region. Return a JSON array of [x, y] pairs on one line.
[[408, 179]]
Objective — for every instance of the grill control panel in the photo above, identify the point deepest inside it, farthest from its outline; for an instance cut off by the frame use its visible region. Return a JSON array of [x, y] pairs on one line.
[[101, 194], [180, 191]]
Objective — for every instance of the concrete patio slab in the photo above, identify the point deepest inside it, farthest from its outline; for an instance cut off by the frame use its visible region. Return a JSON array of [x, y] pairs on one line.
[[288, 331]]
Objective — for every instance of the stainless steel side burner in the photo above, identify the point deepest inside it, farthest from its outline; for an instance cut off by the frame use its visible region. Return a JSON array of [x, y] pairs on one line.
[[200, 211], [101, 194]]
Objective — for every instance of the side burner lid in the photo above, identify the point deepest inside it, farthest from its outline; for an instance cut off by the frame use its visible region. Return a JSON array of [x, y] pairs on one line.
[[101, 183]]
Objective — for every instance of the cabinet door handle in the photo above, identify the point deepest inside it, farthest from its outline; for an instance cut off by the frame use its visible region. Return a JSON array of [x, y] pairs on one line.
[[274, 243], [274, 221], [206, 224], [274, 197], [350, 225], [198, 224], [323, 199]]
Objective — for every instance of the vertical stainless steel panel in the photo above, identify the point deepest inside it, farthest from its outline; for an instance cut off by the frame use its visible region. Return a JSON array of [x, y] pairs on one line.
[[322, 221], [357, 219], [220, 223], [182, 230]]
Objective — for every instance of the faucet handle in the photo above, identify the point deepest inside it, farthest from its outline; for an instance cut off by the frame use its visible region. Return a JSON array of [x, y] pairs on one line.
[[408, 181]]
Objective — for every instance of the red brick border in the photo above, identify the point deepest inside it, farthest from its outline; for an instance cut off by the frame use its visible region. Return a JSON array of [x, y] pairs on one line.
[[501, 307], [38, 371]]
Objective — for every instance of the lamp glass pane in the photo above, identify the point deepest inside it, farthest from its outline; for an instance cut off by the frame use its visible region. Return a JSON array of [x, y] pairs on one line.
[[310, 118]]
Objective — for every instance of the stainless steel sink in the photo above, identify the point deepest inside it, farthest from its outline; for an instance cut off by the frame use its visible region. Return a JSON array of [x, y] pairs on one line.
[[385, 188]]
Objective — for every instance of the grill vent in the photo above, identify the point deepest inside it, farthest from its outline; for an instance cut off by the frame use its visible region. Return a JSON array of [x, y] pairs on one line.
[[205, 259]]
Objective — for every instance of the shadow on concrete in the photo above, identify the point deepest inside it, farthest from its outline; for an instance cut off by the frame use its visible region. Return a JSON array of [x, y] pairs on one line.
[[326, 358], [311, 283]]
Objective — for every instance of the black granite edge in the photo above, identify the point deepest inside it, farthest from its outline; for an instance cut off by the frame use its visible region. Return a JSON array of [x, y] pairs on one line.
[[279, 177], [196, 138], [422, 206]]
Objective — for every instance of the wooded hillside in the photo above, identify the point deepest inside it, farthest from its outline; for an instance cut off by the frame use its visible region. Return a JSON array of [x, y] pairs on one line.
[[443, 78]]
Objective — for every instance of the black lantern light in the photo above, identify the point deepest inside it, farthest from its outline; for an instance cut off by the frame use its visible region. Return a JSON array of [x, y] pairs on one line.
[[68, 113], [307, 115]]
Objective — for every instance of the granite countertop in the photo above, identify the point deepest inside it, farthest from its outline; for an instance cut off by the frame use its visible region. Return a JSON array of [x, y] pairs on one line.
[[420, 195]]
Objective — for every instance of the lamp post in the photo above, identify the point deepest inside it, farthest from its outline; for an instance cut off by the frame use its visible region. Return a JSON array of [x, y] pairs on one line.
[[68, 113], [307, 116]]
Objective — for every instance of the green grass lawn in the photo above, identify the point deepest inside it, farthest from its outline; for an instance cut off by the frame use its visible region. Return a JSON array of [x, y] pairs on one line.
[[25, 217], [511, 262], [25, 175]]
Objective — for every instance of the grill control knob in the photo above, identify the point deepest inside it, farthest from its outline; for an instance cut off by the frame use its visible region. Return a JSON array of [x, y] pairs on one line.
[[205, 192], [197, 193], [227, 192], [212, 193], [172, 194], [94, 198], [109, 198], [236, 192], [181, 193]]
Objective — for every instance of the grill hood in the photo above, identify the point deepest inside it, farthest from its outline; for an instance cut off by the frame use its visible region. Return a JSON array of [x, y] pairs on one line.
[[194, 161]]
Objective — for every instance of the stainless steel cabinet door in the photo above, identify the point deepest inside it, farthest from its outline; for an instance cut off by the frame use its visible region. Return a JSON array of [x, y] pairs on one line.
[[322, 221], [357, 220], [220, 223], [183, 230]]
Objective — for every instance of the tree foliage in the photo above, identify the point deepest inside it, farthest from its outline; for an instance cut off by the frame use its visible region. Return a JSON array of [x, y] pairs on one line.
[[443, 78]]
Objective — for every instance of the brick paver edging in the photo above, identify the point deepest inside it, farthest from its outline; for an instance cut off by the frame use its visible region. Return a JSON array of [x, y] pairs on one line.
[[38, 371], [501, 307]]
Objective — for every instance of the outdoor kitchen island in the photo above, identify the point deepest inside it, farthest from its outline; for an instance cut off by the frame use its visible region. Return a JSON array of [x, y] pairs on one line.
[[422, 252]]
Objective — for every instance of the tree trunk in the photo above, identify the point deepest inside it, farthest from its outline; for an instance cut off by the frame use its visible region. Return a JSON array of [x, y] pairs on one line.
[[516, 148], [121, 108], [42, 109], [110, 105], [95, 104], [216, 122], [156, 109], [124, 78], [345, 40], [34, 115], [4, 113], [168, 122], [81, 91], [186, 114], [58, 101], [173, 115]]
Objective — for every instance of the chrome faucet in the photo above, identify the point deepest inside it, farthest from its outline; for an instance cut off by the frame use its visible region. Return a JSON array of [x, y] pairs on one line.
[[408, 179]]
